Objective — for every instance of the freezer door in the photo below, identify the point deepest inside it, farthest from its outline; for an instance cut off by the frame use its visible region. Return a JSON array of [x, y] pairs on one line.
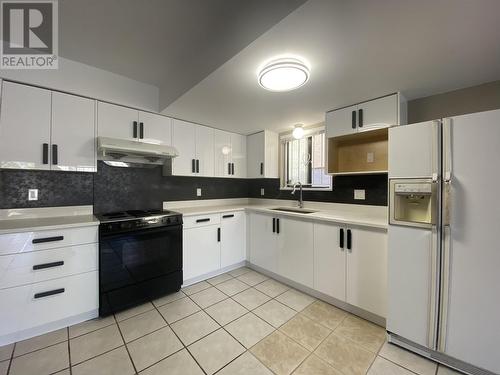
[[414, 150], [470, 304], [412, 283]]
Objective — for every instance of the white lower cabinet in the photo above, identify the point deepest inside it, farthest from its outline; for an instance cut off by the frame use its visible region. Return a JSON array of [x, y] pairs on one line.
[[263, 241], [233, 238], [201, 251]]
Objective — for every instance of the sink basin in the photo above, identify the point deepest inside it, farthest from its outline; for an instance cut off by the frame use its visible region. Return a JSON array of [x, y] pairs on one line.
[[291, 209]]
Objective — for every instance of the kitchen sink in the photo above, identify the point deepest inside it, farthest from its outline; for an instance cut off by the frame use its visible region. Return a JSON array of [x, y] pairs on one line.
[[296, 210]]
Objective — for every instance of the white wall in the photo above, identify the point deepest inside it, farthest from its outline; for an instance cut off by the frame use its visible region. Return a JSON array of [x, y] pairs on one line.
[[87, 80]]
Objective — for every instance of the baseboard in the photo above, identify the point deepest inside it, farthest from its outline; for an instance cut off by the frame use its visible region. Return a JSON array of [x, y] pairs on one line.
[[209, 275]]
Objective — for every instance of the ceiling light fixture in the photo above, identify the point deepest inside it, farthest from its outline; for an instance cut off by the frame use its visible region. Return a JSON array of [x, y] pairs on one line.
[[283, 74], [298, 131]]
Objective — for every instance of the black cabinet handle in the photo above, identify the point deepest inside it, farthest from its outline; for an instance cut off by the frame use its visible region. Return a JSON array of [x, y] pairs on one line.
[[135, 129], [54, 154], [141, 130], [341, 242], [193, 165], [47, 239], [47, 265], [49, 293], [274, 225], [278, 226], [227, 216], [203, 220], [197, 165], [45, 153], [349, 240], [360, 118], [232, 168], [228, 168], [218, 234], [353, 119], [261, 169]]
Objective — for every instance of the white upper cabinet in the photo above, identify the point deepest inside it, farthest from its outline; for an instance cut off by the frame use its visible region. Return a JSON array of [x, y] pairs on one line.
[[73, 133], [239, 155], [262, 155], [24, 127], [155, 128], [116, 121], [223, 150], [195, 144], [383, 112]]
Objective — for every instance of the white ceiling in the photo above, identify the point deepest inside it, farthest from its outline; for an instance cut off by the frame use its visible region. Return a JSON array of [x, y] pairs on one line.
[[171, 44], [358, 49]]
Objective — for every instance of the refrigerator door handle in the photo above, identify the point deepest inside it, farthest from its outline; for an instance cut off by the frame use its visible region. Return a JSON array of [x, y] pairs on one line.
[[447, 151], [434, 302], [445, 285], [435, 149]]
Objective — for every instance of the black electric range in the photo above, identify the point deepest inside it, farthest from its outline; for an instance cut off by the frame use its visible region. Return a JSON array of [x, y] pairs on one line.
[[140, 257]]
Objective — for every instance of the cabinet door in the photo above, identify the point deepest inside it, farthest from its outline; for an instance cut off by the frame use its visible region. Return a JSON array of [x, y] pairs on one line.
[[340, 122], [239, 155], [271, 155], [201, 251], [156, 128], [205, 151], [263, 242], [223, 153], [73, 132], [24, 126], [367, 270], [329, 260], [183, 139], [379, 113], [233, 238], [116, 121], [255, 155], [295, 251]]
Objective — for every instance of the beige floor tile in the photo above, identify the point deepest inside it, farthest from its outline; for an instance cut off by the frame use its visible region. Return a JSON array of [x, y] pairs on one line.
[[368, 335], [226, 311], [168, 298], [344, 355], [194, 327], [272, 288], [195, 288], [251, 298], [325, 314], [95, 343], [90, 326], [4, 367], [274, 313], [63, 372], [382, 366], [220, 279], [177, 310], [232, 287], [407, 359], [129, 313], [42, 362], [245, 364], [305, 331], [215, 351], [153, 348], [141, 325], [239, 271], [295, 299], [249, 329], [6, 352], [313, 365], [40, 342], [443, 370], [208, 297], [252, 278], [115, 362], [180, 363], [280, 353]]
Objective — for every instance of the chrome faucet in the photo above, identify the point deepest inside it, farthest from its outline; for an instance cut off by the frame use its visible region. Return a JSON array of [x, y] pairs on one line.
[[301, 202]]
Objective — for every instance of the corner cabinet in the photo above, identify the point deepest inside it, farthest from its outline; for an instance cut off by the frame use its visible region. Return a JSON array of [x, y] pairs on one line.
[[56, 130], [263, 155], [230, 154]]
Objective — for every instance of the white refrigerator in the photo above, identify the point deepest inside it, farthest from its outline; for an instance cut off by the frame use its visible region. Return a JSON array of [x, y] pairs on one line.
[[443, 240]]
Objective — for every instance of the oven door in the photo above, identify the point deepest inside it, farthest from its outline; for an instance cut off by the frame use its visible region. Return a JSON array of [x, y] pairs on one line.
[[138, 266]]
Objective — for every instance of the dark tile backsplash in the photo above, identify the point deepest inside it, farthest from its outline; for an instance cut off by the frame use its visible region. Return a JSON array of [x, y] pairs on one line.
[[114, 189]]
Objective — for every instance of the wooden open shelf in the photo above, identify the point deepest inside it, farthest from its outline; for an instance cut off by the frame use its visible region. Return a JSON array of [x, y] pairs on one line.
[[348, 154]]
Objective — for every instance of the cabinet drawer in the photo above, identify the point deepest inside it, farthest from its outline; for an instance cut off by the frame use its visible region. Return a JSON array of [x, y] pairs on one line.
[[32, 267], [201, 220], [23, 242], [29, 306]]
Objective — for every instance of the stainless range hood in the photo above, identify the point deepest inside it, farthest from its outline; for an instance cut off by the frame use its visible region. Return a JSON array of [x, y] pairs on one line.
[[127, 153]]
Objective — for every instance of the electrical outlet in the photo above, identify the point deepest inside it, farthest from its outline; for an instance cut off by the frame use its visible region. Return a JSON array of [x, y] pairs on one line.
[[359, 194], [370, 157], [262, 191], [198, 192], [33, 194]]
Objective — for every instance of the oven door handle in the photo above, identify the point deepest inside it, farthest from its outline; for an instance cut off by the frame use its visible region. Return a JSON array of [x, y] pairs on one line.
[[169, 228]]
